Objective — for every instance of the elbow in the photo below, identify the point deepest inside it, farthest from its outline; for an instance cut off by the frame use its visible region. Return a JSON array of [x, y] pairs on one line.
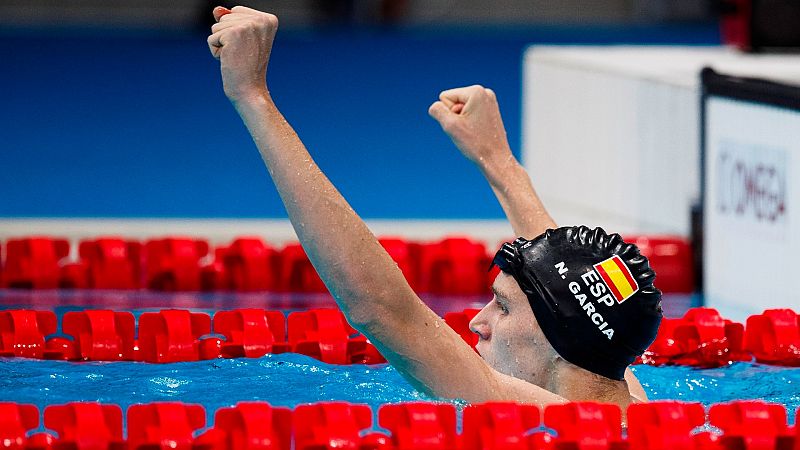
[[362, 310], [373, 303], [375, 315], [362, 318]]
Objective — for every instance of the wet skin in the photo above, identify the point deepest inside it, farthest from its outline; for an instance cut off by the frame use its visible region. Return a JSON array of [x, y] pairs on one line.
[[510, 339]]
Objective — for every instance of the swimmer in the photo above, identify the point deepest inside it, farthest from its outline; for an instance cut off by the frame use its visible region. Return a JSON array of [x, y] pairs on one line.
[[572, 306]]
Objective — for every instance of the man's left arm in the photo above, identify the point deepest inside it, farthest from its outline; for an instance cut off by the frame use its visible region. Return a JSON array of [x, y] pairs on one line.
[[471, 117]]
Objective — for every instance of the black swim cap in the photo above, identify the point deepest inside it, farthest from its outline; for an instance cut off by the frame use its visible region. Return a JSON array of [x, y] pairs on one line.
[[591, 293]]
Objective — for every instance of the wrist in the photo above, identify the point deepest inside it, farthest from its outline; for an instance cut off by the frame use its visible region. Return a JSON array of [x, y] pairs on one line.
[[499, 167], [246, 97], [251, 100]]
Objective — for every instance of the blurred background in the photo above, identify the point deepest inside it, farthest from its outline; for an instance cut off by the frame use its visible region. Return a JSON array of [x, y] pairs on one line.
[[188, 14], [114, 108]]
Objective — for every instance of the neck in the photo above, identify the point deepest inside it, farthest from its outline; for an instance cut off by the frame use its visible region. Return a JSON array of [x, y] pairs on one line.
[[577, 384]]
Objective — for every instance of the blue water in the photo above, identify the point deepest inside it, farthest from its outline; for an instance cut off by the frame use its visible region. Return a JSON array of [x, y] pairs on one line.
[[281, 380], [738, 381], [291, 379]]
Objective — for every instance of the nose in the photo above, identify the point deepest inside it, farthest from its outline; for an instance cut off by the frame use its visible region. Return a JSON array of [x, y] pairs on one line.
[[480, 326]]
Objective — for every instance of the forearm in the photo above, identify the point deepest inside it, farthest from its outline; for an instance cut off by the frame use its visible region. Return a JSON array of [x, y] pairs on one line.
[[513, 189], [344, 251]]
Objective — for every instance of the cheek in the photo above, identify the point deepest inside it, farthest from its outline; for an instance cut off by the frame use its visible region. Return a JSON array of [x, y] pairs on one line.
[[512, 348], [512, 333], [522, 333], [536, 333]]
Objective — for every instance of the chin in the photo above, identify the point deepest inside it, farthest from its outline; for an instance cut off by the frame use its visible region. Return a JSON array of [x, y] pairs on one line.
[[499, 366], [486, 355]]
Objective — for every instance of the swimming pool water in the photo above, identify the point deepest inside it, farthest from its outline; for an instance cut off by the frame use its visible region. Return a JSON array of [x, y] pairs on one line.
[[281, 380], [737, 381], [291, 379]]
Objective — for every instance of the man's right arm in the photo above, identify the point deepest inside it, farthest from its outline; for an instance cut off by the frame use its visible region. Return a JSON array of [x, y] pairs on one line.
[[366, 283]]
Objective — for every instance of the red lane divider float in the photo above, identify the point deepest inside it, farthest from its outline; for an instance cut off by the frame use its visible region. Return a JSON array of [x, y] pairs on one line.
[[251, 332], [750, 424], [665, 425], [672, 259], [112, 263], [418, 426], [99, 335], [34, 262], [73, 276], [495, 426], [702, 338], [330, 425], [22, 332], [455, 265], [16, 421], [164, 425], [172, 335], [249, 426], [251, 265], [774, 337], [324, 334], [586, 424], [214, 276], [246, 265], [173, 264], [85, 425], [321, 334], [180, 335]]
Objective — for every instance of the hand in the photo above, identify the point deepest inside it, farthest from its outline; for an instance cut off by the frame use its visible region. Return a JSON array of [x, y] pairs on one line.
[[242, 41], [471, 117]]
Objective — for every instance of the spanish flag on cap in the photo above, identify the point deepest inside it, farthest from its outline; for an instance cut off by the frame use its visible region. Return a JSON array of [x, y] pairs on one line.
[[618, 278]]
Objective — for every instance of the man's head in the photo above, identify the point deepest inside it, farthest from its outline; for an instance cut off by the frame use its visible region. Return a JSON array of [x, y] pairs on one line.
[[590, 300]]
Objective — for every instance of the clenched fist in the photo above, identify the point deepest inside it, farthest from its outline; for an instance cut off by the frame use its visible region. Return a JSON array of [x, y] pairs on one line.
[[471, 117], [242, 41]]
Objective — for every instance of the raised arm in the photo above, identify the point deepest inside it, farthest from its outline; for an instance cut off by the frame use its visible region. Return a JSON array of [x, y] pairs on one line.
[[471, 117], [366, 283]]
